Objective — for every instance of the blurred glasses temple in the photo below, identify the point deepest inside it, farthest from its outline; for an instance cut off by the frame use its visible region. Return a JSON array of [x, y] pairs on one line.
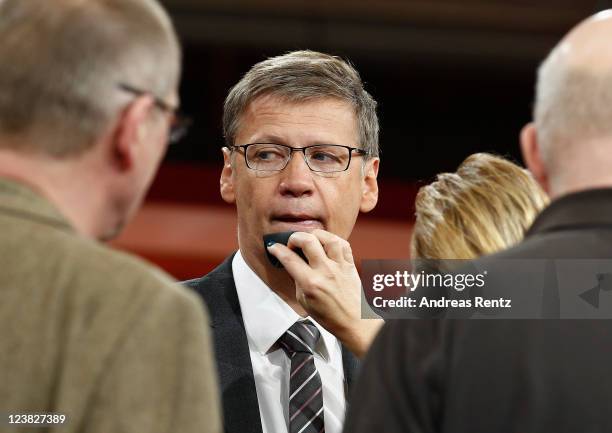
[[180, 123]]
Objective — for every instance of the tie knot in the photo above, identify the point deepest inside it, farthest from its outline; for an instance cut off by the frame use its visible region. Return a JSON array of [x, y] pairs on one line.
[[302, 336]]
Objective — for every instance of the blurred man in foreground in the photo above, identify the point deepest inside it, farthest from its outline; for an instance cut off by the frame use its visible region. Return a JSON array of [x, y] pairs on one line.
[[512, 375], [301, 155], [99, 339]]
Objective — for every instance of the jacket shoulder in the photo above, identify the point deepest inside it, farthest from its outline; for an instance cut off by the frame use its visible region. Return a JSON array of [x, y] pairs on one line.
[[218, 291]]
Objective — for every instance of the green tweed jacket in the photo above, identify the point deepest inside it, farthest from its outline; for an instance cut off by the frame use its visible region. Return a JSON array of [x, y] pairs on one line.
[[93, 334]]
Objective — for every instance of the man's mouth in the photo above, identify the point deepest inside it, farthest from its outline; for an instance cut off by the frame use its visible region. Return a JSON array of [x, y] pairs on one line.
[[298, 221]]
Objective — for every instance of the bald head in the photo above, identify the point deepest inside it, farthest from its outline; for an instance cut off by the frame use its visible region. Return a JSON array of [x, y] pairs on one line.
[[573, 109], [587, 46]]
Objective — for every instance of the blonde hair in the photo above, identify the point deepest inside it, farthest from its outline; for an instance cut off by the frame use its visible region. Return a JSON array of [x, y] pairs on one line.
[[484, 207]]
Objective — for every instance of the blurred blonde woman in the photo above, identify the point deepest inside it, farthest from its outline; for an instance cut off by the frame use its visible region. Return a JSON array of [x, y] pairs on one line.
[[485, 207]]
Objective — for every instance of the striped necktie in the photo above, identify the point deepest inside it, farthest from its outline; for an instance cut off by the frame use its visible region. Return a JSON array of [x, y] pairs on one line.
[[305, 389]]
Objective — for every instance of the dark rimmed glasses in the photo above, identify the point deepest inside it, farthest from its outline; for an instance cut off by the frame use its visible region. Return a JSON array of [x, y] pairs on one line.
[[321, 158], [179, 124]]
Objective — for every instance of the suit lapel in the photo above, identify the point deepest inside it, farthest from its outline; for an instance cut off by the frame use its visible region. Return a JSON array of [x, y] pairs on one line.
[[240, 405]]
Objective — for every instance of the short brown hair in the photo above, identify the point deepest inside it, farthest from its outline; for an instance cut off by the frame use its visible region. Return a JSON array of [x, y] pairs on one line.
[[484, 207], [302, 76], [61, 62]]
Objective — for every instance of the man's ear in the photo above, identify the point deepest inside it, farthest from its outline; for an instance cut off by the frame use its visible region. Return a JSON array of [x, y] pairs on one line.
[[369, 194], [532, 156], [130, 132], [227, 179]]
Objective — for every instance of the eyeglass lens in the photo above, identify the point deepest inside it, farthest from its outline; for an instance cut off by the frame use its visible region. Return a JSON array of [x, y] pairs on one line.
[[325, 158]]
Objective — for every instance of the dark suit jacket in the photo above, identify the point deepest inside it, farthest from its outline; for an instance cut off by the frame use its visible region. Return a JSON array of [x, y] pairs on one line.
[[239, 398], [499, 375]]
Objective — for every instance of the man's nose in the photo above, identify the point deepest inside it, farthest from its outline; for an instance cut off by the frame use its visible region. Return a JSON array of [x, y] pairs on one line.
[[296, 178]]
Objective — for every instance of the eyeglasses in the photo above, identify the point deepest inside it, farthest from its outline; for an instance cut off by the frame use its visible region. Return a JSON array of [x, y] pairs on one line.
[[322, 158], [179, 125]]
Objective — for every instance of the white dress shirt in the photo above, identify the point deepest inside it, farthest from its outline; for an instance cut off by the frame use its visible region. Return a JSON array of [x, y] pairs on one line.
[[266, 317]]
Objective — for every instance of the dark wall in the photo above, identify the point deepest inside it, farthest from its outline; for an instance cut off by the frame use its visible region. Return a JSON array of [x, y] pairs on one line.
[[432, 113], [452, 77]]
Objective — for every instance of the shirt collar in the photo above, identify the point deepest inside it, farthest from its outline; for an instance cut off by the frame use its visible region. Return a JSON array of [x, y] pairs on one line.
[[22, 201], [579, 209], [266, 316]]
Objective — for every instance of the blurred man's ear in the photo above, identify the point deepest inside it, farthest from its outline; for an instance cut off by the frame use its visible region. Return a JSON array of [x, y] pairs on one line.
[[369, 195], [227, 180], [130, 132], [532, 156]]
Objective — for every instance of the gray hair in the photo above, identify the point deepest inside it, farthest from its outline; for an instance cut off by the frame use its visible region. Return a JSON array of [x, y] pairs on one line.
[[301, 76], [573, 105], [61, 62]]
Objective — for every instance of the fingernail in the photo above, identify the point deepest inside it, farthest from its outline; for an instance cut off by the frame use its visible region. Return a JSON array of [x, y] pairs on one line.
[[270, 243]]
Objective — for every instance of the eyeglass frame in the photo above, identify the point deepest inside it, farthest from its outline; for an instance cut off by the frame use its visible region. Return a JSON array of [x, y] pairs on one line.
[[182, 123], [359, 151]]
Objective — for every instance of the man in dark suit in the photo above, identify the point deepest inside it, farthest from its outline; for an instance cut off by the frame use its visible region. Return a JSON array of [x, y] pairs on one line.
[[301, 155], [511, 375]]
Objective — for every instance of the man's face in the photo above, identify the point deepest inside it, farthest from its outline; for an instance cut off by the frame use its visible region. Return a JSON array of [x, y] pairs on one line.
[[142, 151], [297, 198]]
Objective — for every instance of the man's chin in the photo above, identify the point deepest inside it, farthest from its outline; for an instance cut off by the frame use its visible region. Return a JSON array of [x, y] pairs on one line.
[[112, 233], [114, 228]]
